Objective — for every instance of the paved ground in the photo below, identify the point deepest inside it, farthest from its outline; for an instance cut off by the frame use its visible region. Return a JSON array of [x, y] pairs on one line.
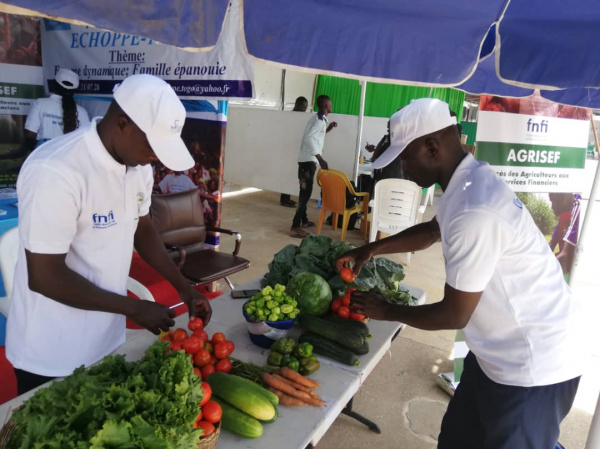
[[401, 394]]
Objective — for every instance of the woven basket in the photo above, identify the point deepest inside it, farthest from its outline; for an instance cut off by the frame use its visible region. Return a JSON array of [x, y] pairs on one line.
[[211, 441]]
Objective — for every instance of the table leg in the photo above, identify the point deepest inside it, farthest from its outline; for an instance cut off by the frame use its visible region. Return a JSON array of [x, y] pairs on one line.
[[360, 418]]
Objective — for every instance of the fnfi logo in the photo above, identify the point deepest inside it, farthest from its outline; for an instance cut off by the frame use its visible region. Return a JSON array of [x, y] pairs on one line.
[[534, 127], [104, 221]]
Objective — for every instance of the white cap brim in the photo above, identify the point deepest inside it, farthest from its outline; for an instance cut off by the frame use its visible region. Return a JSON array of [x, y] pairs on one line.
[[172, 152], [389, 155]]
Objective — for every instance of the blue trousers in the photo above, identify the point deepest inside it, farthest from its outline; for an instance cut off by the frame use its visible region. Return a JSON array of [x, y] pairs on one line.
[[484, 414]]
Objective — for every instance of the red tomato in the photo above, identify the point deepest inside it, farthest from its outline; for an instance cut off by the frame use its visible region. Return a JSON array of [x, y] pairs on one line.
[[350, 290], [335, 305], [223, 366], [180, 334], [207, 393], [207, 427], [197, 372], [347, 275], [209, 347], [201, 334], [212, 412], [230, 346], [213, 360], [202, 358], [343, 312], [166, 336], [191, 345], [218, 338], [346, 300], [175, 346], [198, 419], [207, 370], [357, 317], [221, 350], [195, 323]]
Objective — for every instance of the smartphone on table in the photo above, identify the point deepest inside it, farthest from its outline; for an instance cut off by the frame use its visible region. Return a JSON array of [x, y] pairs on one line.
[[237, 294]]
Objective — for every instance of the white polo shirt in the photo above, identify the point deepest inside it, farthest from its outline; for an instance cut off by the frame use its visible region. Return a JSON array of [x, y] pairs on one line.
[[46, 117], [313, 138], [526, 328], [173, 183], [74, 198]]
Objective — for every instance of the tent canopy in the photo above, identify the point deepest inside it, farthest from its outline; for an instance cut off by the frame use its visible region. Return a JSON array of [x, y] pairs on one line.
[[500, 47]]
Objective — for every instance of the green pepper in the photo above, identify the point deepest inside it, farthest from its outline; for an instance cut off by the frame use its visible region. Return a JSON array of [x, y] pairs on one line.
[[309, 365], [284, 345], [303, 350], [292, 363], [275, 358]]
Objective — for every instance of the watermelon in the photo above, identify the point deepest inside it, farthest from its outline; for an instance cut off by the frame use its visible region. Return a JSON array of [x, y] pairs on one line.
[[312, 293]]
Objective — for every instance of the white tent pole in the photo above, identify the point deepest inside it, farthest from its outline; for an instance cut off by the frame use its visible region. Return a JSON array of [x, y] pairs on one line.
[[593, 439], [361, 116]]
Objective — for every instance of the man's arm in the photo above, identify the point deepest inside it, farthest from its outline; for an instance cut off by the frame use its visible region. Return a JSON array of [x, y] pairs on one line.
[[452, 312], [50, 276], [415, 238], [566, 256], [331, 126], [149, 245], [322, 162]]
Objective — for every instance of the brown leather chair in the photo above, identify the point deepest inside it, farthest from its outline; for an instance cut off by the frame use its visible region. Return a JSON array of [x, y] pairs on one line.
[[179, 219]]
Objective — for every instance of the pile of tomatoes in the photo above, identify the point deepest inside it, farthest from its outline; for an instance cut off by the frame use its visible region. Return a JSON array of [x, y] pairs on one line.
[[341, 307], [208, 354], [210, 412]]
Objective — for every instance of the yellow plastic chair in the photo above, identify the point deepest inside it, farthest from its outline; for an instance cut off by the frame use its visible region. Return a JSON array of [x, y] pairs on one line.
[[333, 185]]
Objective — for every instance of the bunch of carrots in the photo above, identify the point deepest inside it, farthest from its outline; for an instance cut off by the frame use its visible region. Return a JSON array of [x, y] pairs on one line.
[[292, 388]]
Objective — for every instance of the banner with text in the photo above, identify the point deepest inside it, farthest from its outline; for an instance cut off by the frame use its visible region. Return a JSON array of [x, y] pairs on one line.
[[534, 145], [102, 59]]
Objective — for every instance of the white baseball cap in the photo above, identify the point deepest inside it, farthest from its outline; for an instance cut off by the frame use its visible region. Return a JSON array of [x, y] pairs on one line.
[[67, 79], [419, 118], [153, 106]]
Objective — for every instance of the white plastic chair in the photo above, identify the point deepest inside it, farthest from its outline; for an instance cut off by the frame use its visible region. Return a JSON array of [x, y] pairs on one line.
[[9, 251], [396, 207]]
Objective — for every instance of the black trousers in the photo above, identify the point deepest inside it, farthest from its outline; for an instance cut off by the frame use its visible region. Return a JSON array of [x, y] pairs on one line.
[[484, 414], [306, 176], [28, 381]]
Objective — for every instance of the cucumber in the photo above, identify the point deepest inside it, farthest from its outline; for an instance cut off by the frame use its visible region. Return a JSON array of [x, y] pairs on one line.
[[238, 422], [332, 331], [272, 397], [356, 326], [328, 348], [236, 391], [364, 349], [274, 418]]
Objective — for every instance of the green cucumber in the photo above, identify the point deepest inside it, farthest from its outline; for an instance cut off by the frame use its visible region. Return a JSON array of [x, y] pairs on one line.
[[238, 422], [364, 349], [354, 325], [328, 348], [272, 397], [237, 392], [274, 418], [333, 331]]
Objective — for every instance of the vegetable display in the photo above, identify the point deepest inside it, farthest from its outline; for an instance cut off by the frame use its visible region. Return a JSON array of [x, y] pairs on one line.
[[286, 353], [149, 403], [272, 304], [317, 254]]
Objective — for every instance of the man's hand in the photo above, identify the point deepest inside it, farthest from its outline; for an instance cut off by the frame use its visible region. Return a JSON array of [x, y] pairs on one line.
[[331, 126], [373, 305], [359, 256], [370, 148], [153, 316], [323, 164], [198, 305]]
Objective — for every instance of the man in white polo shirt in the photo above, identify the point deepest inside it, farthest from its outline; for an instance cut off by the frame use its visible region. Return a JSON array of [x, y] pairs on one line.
[[504, 287], [84, 200]]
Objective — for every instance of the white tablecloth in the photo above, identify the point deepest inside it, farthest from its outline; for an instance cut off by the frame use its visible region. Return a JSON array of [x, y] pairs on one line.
[[296, 427]]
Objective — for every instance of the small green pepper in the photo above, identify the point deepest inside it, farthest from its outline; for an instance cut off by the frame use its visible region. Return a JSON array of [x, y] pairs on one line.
[[275, 358], [292, 363], [284, 345], [303, 350], [309, 365], [286, 308]]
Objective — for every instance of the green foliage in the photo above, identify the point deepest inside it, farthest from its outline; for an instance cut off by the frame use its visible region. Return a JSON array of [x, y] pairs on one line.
[[151, 403], [542, 213]]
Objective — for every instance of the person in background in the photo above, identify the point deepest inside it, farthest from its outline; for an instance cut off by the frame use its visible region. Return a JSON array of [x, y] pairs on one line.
[[504, 288], [56, 115], [84, 202], [301, 105], [175, 182], [311, 150], [566, 207]]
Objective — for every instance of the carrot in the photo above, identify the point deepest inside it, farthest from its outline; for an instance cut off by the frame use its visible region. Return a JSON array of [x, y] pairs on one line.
[[279, 385], [297, 386], [298, 378], [284, 399]]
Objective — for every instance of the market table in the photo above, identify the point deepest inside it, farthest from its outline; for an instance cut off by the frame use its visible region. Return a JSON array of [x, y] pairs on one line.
[[298, 427]]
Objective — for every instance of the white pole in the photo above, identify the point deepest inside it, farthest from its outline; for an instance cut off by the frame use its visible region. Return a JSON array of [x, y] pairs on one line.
[[593, 439], [361, 114]]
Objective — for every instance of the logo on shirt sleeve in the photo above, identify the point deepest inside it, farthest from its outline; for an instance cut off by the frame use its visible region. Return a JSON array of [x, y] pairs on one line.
[[517, 202], [103, 221]]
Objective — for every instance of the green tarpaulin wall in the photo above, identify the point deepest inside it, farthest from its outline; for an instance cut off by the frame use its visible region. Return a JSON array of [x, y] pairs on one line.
[[382, 100]]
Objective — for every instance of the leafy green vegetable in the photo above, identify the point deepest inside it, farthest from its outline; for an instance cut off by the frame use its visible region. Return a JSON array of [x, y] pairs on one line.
[[315, 245], [151, 403]]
